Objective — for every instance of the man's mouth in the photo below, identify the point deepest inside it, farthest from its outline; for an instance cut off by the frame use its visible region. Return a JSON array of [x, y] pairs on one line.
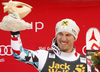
[[64, 43]]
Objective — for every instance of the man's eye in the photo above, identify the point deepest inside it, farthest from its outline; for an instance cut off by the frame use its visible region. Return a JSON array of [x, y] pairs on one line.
[[67, 34], [60, 34]]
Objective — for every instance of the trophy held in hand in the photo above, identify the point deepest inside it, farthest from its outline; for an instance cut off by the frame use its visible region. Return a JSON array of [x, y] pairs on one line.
[[13, 21]]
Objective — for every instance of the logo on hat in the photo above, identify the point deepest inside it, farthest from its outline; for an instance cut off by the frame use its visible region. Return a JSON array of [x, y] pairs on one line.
[[65, 23], [75, 33]]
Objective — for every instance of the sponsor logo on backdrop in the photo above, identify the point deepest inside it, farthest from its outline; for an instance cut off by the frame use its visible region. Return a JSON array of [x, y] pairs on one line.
[[44, 48], [5, 50], [49, 48]]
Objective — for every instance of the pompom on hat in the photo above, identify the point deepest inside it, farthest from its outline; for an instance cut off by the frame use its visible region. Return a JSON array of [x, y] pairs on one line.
[[68, 25]]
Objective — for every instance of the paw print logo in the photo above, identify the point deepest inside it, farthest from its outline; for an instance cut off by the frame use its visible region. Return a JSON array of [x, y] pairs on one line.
[[79, 68]]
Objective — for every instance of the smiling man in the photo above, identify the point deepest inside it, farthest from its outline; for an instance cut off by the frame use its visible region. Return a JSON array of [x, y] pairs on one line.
[[66, 34], [65, 41], [63, 56]]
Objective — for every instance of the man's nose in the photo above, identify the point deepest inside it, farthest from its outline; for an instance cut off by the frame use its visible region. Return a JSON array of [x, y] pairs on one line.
[[63, 38]]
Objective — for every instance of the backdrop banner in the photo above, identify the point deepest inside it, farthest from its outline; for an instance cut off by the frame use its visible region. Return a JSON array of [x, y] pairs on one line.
[[43, 18]]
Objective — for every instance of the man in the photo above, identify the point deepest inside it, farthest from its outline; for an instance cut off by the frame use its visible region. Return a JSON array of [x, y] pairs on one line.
[[63, 56]]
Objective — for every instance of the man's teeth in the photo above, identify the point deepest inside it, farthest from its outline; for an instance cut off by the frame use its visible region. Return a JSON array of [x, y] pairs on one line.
[[63, 43]]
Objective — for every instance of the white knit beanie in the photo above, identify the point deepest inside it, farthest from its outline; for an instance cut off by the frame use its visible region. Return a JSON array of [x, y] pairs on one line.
[[67, 25]]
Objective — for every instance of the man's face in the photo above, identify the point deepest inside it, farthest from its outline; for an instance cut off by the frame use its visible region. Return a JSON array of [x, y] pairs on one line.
[[65, 41]]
